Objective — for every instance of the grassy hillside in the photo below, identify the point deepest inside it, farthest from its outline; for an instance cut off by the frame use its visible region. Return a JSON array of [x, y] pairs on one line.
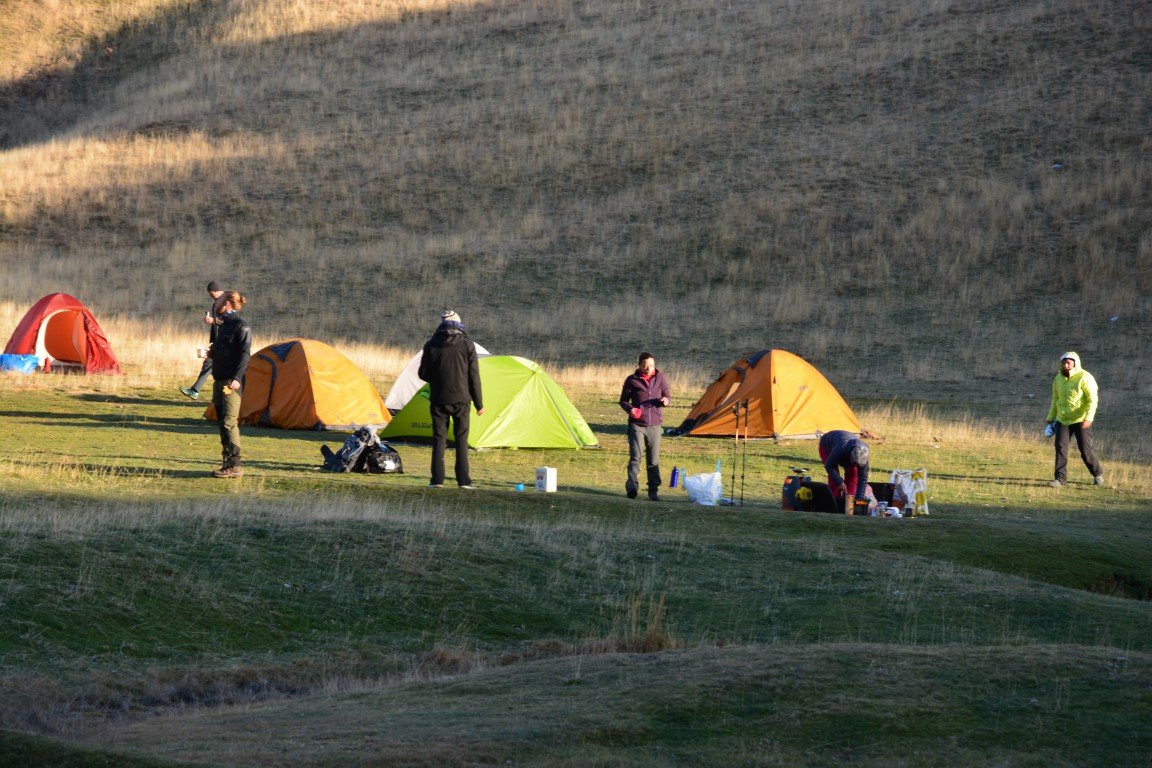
[[929, 200]]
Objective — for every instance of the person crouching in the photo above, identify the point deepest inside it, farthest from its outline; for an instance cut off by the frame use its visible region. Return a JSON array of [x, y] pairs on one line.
[[840, 449]]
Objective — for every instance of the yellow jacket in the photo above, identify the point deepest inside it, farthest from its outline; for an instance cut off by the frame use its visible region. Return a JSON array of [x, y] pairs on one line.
[[1074, 397]]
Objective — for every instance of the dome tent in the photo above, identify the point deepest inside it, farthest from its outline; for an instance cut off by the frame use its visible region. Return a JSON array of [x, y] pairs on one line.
[[62, 333], [523, 408], [306, 384], [786, 396]]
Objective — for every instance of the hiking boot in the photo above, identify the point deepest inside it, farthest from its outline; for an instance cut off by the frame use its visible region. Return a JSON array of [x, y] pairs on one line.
[[631, 494], [228, 472], [653, 496], [1098, 480], [1055, 483], [190, 393]]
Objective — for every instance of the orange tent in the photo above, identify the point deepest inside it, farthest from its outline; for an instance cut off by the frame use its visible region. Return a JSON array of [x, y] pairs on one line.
[[305, 384], [786, 396]]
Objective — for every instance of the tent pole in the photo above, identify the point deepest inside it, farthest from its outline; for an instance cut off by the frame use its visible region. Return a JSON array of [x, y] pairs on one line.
[[735, 453], [744, 459]]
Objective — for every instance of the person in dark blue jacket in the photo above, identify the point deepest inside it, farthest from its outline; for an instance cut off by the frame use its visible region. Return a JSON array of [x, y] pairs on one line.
[[643, 398], [842, 449]]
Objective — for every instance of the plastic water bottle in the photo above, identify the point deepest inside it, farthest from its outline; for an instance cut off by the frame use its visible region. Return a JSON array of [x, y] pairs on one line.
[[718, 466]]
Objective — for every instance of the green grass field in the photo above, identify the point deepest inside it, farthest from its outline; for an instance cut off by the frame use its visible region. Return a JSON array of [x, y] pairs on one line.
[[301, 618]]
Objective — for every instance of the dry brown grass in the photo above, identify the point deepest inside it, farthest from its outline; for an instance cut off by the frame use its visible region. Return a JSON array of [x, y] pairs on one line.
[[870, 185]]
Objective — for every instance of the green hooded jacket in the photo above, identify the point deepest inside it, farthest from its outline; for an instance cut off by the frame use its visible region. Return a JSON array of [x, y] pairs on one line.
[[1074, 398]]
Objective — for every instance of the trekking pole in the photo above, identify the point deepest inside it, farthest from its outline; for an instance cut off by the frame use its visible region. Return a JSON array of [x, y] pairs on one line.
[[735, 454], [744, 459]]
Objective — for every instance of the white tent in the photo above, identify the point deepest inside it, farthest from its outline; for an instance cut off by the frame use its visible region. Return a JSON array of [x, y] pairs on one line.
[[408, 383]]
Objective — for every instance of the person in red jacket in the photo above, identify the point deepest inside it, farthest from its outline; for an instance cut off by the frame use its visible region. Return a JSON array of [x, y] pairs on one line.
[[643, 398]]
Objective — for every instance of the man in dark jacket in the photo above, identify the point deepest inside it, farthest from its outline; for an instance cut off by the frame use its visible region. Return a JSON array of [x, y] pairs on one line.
[[215, 291], [230, 353], [643, 398], [840, 448], [450, 366]]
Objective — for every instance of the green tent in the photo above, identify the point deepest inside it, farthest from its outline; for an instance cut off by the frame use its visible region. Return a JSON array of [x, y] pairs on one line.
[[523, 408]]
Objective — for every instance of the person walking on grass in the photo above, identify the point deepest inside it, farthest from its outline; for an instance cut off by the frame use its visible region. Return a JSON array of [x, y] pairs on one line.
[[215, 291], [643, 397], [450, 366], [1074, 400], [230, 352], [840, 449]]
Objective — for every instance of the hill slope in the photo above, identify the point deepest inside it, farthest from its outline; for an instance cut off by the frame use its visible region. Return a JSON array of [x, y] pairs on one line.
[[902, 193]]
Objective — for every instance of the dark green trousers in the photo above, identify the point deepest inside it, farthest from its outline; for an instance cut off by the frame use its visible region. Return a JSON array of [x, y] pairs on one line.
[[227, 404]]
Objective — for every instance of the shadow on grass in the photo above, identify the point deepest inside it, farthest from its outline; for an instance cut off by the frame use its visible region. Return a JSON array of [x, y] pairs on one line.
[[609, 429], [177, 425], [102, 63]]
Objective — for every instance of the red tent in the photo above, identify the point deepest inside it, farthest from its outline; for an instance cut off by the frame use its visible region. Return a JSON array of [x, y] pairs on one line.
[[62, 332]]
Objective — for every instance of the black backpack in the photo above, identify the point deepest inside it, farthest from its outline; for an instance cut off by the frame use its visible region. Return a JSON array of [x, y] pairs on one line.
[[382, 459], [362, 452]]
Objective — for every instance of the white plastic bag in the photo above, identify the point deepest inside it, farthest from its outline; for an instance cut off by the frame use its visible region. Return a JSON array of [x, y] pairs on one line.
[[912, 485], [704, 489]]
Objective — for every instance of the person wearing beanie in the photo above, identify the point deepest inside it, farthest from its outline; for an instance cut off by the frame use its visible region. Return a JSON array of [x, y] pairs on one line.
[[1075, 397], [215, 290], [643, 397], [451, 367]]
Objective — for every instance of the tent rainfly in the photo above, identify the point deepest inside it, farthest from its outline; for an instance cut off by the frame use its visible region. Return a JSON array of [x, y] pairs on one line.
[[64, 335], [523, 408], [787, 398], [306, 384]]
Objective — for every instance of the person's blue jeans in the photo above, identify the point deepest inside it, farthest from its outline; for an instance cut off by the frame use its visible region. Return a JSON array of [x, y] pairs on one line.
[[205, 372]]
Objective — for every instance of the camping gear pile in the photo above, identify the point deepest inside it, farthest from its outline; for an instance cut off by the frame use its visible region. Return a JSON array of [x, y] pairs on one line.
[[363, 451], [905, 496]]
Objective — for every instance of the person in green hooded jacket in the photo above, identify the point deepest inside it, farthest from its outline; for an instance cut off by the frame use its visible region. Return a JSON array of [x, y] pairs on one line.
[[1074, 400]]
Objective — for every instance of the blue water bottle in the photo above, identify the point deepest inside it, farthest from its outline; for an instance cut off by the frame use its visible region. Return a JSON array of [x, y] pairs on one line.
[[675, 477], [717, 466]]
